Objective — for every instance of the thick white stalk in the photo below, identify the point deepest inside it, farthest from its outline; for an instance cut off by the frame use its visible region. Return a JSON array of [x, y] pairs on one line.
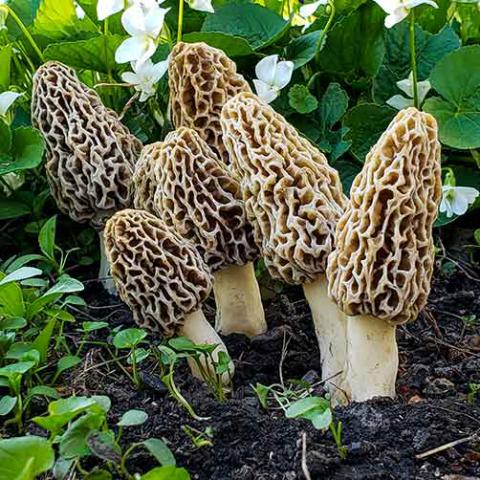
[[199, 331], [330, 328], [104, 273], [372, 358], [238, 300]]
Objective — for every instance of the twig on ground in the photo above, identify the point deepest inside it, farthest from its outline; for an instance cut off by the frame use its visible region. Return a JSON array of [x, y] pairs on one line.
[[446, 446], [284, 354], [304, 457]]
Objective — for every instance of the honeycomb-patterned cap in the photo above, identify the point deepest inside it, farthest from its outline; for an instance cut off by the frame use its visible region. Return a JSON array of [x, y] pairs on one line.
[[90, 154], [292, 196], [201, 80], [158, 274], [196, 195], [384, 256]]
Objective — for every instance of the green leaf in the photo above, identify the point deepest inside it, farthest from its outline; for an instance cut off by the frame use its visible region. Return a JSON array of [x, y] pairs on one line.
[[10, 208], [7, 404], [11, 301], [322, 420], [13, 323], [73, 443], [18, 368], [159, 449], [23, 458], [43, 391], [366, 123], [96, 53], [133, 418], [396, 64], [98, 474], [42, 342], [26, 11], [129, 338], [5, 61], [233, 46], [166, 473], [5, 143], [301, 100], [355, 46], [333, 105], [46, 238], [303, 49], [457, 79], [467, 15], [67, 362], [92, 326], [304, 406], [256, 24], [20, 274], [57, 19], [433, 19], [62, 468]]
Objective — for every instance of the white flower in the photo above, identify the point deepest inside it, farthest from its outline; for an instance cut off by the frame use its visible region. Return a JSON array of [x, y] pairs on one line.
[[397, 10], [456, 200], [106, 8], [201, 5], [79, 11], [143, 23], [309, 9], [400, 102], [13, 182], [272, 76], [6, 100], [145, 76]]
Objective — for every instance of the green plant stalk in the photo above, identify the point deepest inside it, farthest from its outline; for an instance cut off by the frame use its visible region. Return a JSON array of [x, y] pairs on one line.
[[180, 20], [136, 380], [413, 59], [123, 461], [331, 4], [25, 31]]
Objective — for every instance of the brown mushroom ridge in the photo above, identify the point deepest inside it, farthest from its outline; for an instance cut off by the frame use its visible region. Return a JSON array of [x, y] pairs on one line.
[[292, 196], [159, 275], [384, 256], [90, 154], [200, 199], [202, 79], [143, 179]]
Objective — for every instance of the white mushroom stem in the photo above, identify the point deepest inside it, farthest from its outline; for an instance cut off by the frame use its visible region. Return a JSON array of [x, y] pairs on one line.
[[238, 300], [104, 273], [330, 328], [200, 332], [372, 358]]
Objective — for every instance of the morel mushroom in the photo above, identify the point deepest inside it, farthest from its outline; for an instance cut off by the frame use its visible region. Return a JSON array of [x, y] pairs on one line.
[[193, 192], [294, 199], [90, 154], [201, 80], [161, 277], [381, 269]]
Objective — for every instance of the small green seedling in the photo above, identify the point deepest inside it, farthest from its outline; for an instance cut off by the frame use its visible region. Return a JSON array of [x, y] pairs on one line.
[[199, 439], [473, 391]]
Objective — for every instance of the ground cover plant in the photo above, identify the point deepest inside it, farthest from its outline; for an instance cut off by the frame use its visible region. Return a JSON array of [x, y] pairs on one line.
[[239, 239]]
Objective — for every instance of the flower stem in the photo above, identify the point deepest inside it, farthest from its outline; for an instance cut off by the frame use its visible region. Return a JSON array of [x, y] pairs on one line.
[[413, 59], [25, 31], [180, 20], [323, 35]]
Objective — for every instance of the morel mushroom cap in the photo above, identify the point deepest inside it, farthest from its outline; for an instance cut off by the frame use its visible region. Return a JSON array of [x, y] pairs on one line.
[[201, 80], [384, 256], [159, 275], [90, 154], [292, 196], [294, 199], [195, 194]]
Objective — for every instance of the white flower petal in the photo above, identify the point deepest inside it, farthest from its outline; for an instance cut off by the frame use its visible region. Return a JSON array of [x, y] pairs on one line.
[[133, 20], [201, 5], [106, 8], [446, 207], [406, 85], [154, 19], [283, 75], [469, 193], [400, 102], [459, 204], [79, 11], [159, 70], [6, 101], [265, 91], [396, 17], [266, 68], [309, 9], [138, 48], [416, 3], [423, 88], [130, 77]]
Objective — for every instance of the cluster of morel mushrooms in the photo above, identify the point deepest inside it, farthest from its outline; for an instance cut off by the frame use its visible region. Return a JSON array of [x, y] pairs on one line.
[[233, 182]]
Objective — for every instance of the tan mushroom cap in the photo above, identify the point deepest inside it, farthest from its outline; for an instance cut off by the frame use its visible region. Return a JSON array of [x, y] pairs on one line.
[[159, 275], [196, 195], [292, 196], [201, 80], [143, 180], [384, 256], [90, 154]]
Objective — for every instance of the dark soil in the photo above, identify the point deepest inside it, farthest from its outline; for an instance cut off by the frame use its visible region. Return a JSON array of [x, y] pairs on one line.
[[439, 358]]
